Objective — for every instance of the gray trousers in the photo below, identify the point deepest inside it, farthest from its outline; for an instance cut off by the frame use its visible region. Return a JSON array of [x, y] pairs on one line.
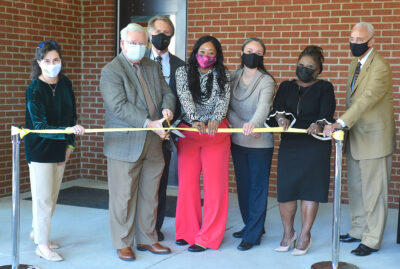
[[133, 189]]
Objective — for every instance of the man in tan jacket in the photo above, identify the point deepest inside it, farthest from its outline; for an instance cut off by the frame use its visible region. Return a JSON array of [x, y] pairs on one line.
[[370, 142]]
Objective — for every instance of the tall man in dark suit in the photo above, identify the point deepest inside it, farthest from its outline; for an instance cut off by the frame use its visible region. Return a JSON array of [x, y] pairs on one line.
[[160, 30], [370, 142], [135, 95]]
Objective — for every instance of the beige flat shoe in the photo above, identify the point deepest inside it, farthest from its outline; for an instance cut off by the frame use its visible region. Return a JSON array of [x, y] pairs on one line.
[[52, 256], [286, 248], [51, 244], [299, 252]]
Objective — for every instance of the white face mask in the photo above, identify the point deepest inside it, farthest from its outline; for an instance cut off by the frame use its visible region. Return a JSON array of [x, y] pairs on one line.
[[51, 70], [135, 52]]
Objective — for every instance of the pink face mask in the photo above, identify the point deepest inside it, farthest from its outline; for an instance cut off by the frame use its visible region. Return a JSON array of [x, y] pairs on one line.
[[205, 61]]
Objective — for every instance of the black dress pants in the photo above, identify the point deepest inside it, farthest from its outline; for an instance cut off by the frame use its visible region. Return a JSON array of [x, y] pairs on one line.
[[162, 190]]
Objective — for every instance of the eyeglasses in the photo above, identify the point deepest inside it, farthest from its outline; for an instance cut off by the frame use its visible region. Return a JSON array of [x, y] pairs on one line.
[[135, 43], [358, 40], [43, 42]]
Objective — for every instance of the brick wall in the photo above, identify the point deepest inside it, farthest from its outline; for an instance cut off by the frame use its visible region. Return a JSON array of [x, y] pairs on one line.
[[86, 31], [286, 27], [24, 24], [98, 50]]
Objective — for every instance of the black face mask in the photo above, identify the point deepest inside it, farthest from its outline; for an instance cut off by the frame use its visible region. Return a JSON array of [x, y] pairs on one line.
[[160, 41], [359, 49], [252, 60], [305, 74]]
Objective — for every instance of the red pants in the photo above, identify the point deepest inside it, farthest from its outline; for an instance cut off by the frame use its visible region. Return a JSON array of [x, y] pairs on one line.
[[210, 155]]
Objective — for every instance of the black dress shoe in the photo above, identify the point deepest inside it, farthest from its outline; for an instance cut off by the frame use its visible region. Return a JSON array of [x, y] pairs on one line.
[[196, 248], [237, 234], [181, 242], [160, 236], [348, 239], [363, 250], [244, 246]]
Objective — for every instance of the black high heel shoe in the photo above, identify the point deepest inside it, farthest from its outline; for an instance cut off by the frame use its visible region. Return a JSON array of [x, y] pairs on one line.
[[196, 248], [244, 246], [238, 234], [181, 242]]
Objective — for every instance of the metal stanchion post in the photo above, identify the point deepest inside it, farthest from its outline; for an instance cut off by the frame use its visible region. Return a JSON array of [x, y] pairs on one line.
[[16, 141], [335, 264]]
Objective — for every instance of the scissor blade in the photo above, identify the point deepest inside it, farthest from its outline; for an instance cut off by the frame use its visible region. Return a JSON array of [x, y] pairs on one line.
[[178, 133]]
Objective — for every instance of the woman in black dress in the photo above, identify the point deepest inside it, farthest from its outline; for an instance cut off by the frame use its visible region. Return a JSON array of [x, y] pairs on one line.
[[303, 160]]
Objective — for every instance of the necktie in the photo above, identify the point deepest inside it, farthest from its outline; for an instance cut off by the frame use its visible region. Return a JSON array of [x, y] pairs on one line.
[[146, 92], [356, 73], [158, 59]]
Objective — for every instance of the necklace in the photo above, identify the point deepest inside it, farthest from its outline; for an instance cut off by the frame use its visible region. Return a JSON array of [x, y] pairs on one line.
[[51, 87]]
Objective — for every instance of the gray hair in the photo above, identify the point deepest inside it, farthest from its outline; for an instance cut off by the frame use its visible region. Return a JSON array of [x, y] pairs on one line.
[[150, 24], [132, 27], [367, 25]]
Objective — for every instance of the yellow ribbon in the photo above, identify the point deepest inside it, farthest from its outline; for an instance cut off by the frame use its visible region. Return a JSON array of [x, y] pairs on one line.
[[338, 135], [23, 132]]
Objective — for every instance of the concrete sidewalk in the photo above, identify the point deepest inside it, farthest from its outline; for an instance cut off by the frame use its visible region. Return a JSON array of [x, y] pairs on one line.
[[85, 239]]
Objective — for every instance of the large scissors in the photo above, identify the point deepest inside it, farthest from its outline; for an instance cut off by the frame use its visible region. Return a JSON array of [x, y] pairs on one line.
[[172, 140], [174, 125]]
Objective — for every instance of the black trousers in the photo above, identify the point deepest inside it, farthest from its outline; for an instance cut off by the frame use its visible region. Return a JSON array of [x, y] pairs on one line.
[[252, 166], [162, 190]]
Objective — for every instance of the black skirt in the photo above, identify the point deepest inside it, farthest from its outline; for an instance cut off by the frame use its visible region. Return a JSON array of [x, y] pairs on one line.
[[303, 168]]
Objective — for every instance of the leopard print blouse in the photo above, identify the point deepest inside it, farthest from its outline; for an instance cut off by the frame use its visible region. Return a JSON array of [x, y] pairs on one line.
[[212, 109]]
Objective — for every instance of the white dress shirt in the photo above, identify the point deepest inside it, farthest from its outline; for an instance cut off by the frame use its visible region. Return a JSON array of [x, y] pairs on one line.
[[166, 67]]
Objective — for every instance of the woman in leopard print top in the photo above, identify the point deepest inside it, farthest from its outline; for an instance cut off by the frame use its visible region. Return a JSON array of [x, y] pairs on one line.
[[203, 90], [214, 107]]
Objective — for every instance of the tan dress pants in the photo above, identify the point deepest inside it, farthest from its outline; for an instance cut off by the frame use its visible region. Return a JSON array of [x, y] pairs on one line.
[[368, 182], [45, 185], [133, 188]]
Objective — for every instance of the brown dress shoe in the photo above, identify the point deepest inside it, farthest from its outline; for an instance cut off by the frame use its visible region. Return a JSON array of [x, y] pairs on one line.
[[126, 254], [156, 248]]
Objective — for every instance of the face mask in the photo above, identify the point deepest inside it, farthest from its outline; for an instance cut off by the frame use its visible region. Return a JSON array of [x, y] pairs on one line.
[[160, 41], [51, 70], [205, 61], [359, 49], [135, 52], [305, 74], [252, 60]]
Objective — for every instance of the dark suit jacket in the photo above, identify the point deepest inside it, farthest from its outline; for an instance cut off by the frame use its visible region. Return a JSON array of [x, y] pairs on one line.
[[174, 62], [126, 105]]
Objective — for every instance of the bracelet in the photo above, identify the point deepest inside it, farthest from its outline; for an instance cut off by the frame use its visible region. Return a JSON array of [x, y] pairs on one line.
[[281, 119], [71, 147]]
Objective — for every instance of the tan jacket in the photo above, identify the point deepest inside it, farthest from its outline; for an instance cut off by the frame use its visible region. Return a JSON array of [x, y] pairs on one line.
[[369, 113]]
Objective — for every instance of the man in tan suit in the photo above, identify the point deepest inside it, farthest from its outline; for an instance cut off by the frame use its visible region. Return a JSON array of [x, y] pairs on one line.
[[370, 143], [135, 94]]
